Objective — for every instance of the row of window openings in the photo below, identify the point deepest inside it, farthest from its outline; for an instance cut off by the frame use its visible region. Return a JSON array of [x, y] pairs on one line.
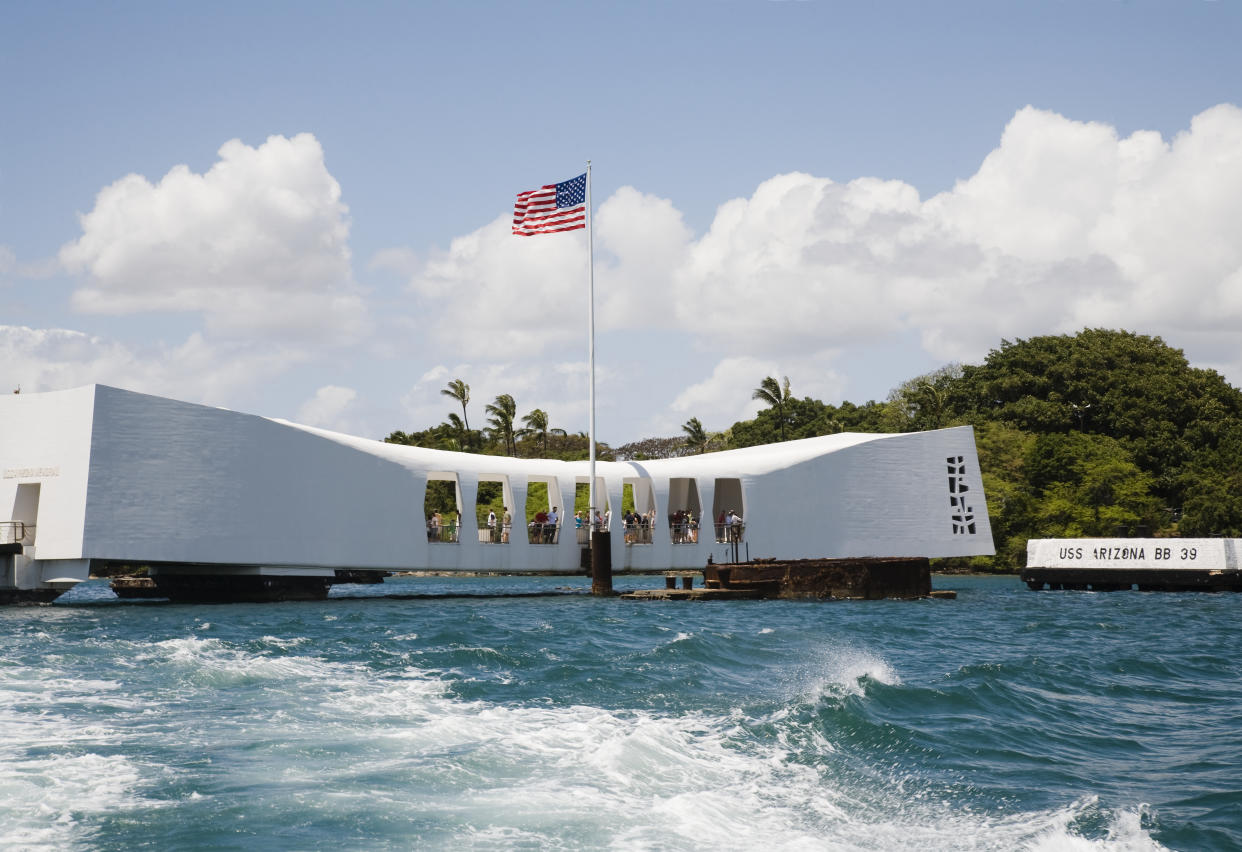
[[446, 522]]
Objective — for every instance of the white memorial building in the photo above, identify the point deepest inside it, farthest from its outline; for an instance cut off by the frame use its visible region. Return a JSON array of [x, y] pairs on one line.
[[97, 475]]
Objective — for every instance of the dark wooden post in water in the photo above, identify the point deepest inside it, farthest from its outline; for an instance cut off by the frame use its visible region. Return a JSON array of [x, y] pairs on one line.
[[601, 563]]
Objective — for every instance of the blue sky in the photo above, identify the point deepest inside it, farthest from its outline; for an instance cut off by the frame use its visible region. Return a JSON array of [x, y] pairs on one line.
[[298, 209]]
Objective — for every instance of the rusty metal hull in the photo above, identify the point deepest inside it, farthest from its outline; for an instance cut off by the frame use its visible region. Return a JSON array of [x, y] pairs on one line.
[[869, 578]]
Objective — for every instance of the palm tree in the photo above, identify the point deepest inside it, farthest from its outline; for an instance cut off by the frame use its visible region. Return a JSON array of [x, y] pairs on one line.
[[459, 427], [696, 436], [771, 393], [537, 427], [502, 412], [934, 408], [460, 391]]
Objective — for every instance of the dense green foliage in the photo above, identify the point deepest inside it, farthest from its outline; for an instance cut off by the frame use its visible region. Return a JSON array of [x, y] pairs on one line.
[[1102, 433]]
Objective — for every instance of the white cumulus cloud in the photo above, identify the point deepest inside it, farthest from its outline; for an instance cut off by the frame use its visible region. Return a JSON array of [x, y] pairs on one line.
[[257, 244], [494, 295], [327, 408], [1066, 224], [44, 359]]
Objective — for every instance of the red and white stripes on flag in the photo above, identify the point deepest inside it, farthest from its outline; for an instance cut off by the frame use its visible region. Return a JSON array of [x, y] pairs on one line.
[[552, 208]]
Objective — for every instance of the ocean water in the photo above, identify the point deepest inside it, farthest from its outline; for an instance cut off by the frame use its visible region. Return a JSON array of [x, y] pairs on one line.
[[1006, 719]]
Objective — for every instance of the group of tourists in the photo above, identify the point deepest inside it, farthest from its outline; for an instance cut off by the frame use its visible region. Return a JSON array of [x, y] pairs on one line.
[[439, 530], [543, 529], [684, 526], [638, 527]]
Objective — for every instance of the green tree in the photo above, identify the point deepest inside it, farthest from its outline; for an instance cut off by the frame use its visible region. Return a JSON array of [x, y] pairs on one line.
[[924, 402], [463, 433], [536, 427], [1089, 485], [502, 412], [696, 436], [1003, 455], [460, 391], [1131, 387], [801, 418], [776, 397], [1212, 486], [441, 497], [442, 437]]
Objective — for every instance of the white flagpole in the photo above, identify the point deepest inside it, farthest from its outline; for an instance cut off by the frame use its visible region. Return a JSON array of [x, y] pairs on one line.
[[591, 346]]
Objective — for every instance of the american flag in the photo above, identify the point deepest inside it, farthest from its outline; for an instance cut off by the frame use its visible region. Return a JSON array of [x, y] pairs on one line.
[[552, 208]]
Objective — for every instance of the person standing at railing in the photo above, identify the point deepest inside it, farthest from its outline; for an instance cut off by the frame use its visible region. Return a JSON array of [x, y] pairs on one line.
[[508, 525], [491, 525], [549, 531]]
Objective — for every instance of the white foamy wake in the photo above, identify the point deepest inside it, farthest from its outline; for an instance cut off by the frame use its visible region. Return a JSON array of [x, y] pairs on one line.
[[581, 776], [63, 740], [400, 748], [214, 662], [53, 776]]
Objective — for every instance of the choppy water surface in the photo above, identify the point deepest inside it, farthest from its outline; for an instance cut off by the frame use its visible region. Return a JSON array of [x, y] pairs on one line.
[[1006, 719]]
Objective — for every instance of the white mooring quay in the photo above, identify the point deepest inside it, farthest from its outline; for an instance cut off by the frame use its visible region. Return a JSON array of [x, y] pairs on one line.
[[1150, 564]]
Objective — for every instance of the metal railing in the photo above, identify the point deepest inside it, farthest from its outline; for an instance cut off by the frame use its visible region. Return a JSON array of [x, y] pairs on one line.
[[684, 532], [637, 532], [538, 533], [443, 533], [16, 532], [726, 533], [498, 534]]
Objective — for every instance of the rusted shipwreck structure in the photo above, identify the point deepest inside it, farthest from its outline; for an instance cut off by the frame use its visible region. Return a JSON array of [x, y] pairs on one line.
[[864, 578]]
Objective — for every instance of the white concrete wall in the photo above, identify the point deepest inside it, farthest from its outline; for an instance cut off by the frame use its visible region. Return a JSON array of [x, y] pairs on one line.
[[845, 495], [46, 439], [175, 482], [145, 479]]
